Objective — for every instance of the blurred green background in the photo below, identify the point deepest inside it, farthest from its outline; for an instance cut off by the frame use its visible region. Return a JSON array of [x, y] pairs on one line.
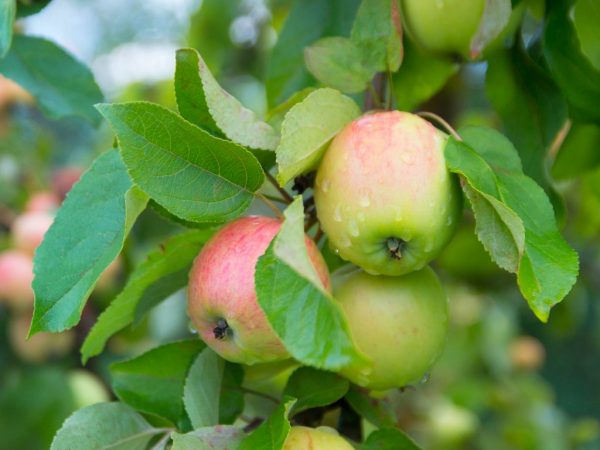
[[505, 381]]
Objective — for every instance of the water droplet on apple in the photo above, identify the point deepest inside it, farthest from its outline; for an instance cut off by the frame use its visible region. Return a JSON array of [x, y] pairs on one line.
[[425, 379], [364, 200], [337, 214], [345, 241], [325, 185], [361, 216], [336, 251], [353, 228]]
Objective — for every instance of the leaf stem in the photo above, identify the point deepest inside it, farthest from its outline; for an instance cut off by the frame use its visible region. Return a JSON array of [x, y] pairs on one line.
[[432, 117], [163, 440], [288, 198], [276, 199], [389, 93], [271, 205], [559, 138]]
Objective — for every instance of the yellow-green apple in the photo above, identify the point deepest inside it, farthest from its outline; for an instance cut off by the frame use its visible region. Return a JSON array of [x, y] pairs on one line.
[[16, 275], [398, 322], [443, 25], [28, 230], [383, 193], [222, 297], [41, 346], [43, 201], [321, 438]]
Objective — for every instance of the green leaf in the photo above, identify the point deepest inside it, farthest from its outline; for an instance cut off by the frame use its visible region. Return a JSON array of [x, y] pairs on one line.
[[389, 439], [506, 202], [104, 426], [577, 78], [189, 172], [174, 257], [202, 101], [421, 75], [579, 153], [305, 317], [315, 388], [87, 235], [71, 91], [586, 16], [530, 105], [276, 115], [202, 389], [220, 437], [307, 21], [308, 128], [337, 62], [231, 401], [29, 7], [8, 11], [368, 407], [272, 434], [377, 32], [154, 381], [495, 17]]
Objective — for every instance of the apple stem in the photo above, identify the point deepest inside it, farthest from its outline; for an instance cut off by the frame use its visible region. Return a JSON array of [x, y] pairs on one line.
[[435, 118], [288, 198]]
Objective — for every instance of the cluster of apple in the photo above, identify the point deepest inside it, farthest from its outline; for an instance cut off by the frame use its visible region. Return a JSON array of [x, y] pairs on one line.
[[16, 270], [388, 205]]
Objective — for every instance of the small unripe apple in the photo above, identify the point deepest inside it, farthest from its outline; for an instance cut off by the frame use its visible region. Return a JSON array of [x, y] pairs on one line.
[[41, 346], [398, 322], [87, 389], [28, 230], [321, 438], [445, 26], [16, 275], [383, 193], [222, 297], [42, 202]]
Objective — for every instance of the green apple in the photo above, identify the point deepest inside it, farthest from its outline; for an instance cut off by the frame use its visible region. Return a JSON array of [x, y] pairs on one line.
[[383, 193], [87, 389], [222, 296], [445, 26], [321, 438], [399, 322]]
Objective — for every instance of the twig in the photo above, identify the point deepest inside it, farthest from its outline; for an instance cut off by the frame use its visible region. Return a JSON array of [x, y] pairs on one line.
[[318, 235], [560, 137], [281, 190], [435, 118], [375, 93], [276, 199], [389, 93], [271, 205], [312, 220]]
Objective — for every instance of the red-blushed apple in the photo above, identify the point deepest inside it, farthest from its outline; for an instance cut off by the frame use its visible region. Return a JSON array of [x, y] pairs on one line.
[[383, 193], [399, 322], [43, 201], [222, 297], [64, 179], [41, 346], [28, 230], [321, 438], [16, 275]]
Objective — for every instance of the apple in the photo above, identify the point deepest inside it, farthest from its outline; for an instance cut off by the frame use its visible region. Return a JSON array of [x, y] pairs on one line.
[[321, 438], [398, 322], [87, 389], [28, 230], [43, 201], [16, 275], [222, 298], [383, 194], [64, 179], [41, 346], [445, 26]]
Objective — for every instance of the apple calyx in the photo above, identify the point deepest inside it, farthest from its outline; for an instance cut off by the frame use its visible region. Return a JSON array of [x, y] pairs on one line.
[[395, 247], [222, 330]]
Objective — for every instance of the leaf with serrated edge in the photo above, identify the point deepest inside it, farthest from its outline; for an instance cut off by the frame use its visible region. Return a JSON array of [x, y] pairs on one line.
[[87, 235], [191, 173], [238, 123], [202, 389], [272, 433], [174, 255], [153, 382], [389, 439], [71, 91], [220, 437], [104, 426], [288, 288], [315, 388], [308, 128], [496, 14]]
